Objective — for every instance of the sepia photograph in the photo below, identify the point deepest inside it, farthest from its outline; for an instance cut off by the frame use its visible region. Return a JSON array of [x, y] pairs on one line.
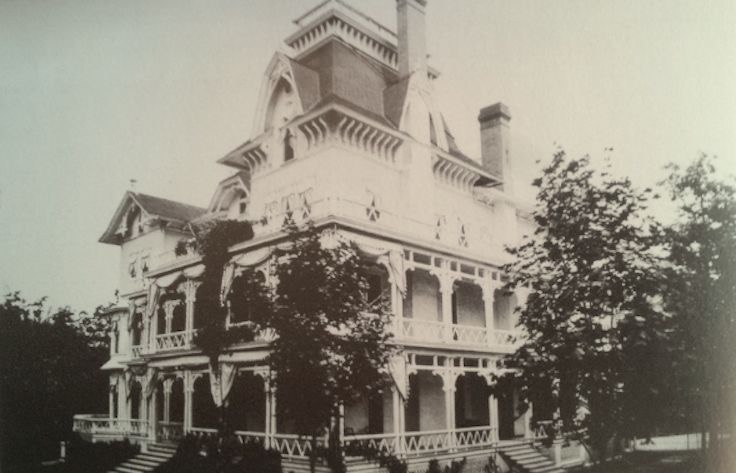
[[367, 236]]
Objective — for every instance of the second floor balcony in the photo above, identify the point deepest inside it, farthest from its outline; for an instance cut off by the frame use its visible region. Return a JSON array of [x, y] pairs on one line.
[[440, 303]]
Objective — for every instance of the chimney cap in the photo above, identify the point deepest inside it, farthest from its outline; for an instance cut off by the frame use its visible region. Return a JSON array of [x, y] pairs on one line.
[[497, 110]]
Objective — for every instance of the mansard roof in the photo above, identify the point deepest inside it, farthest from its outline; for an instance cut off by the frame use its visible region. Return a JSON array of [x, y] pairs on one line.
[[169, 212], [351, 78]]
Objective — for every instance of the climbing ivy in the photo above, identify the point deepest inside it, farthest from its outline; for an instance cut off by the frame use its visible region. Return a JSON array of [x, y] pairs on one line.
[[212, 241]]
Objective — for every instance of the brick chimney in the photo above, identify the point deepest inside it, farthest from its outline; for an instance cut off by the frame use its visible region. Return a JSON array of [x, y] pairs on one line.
[[412, 35], [494, 141]]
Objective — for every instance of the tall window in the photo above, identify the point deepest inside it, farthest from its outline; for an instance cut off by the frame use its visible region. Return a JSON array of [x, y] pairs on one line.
[[288, 146]]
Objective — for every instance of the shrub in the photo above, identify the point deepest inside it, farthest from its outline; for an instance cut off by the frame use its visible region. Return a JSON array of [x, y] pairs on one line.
[[454, 467], [87, 457], [221, 455]]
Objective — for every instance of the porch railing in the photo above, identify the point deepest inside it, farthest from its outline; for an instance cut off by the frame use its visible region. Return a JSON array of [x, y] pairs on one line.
[[247, 436], [432, 441], [137, 350], [439, 332], [100, 425], [290, 445], [169, 430]]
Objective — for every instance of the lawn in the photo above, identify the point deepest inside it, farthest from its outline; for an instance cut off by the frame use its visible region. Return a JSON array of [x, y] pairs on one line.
[[649, 462]]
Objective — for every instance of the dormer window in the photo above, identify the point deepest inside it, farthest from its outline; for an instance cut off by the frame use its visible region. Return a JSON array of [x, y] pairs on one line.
[[288, 146]]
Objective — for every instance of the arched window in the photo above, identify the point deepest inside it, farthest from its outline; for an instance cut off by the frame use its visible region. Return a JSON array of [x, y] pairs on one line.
[[288, 146], [179, 318]]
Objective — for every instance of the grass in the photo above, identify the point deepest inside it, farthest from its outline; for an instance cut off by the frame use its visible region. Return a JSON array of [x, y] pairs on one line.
[[649, 462]]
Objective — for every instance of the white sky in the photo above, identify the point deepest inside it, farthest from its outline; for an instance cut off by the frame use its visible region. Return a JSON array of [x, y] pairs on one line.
[[94, 93]]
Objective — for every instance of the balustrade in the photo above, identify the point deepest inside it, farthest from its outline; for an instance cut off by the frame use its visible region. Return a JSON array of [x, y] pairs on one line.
[[95, 425], [173, 431], [415, 443], [431, 331], [173, 341], [290, 445]]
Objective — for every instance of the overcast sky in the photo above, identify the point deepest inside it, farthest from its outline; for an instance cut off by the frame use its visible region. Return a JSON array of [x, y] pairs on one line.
[[95, 93]]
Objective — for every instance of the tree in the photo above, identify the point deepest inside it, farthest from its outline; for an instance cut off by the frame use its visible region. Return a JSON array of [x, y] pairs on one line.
[[212, 240], [589, 319], [701, 294], [331, 347], [49, 371]]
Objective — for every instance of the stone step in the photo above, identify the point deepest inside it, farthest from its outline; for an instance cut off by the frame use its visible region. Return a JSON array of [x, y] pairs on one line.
[[546, 469], [144, 462], [551, 468], [536, 463], [522, 455], [156, 456], [123, 469], [162, 448], [137, 467], [513, 448]]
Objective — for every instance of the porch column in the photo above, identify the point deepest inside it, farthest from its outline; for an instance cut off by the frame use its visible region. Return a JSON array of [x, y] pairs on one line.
[[488, 286], [168, 385], [528, 432], [341, 424], [146, 332], [267, 423], [493, 416], [152, 415], [113, 338], [446, 289], [111, 401], [269, 426], [397, 301], [190, 296], [188, 390], [447, 283], [122, 397], [273, 423], [398, 420], [449, 375], [143, 412]]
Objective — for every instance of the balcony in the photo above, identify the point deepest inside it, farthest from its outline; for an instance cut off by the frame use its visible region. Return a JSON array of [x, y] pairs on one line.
[[435, 332], [405, 331], [95, 427], [173, 341], [183, 341]]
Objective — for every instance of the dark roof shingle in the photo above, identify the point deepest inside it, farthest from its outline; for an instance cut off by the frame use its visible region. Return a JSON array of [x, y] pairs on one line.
[[168, 209]]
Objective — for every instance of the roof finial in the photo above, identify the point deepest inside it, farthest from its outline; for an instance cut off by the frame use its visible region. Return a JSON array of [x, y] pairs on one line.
[[133, 182]]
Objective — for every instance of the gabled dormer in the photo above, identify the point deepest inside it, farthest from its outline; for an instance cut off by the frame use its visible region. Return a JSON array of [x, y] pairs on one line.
[[139, 214], [147, 230], [232, 197]]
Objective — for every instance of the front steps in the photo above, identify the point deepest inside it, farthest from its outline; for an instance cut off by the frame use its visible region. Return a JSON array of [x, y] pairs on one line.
[[144, 462], [524, 458]]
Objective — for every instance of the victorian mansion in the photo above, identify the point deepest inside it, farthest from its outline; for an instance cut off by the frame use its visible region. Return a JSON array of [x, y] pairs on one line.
[[348, 136]]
